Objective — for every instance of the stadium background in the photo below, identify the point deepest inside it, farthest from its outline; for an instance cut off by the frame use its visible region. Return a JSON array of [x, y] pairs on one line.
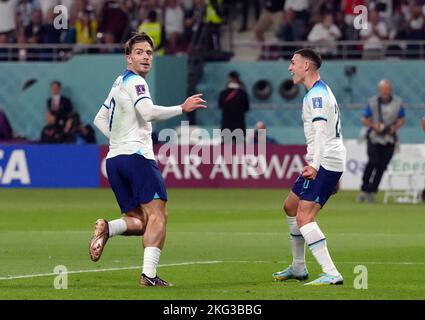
[[86, 78]]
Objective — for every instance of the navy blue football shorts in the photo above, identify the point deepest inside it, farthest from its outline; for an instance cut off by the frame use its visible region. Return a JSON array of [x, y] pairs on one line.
[[318, 190], [135, 180]]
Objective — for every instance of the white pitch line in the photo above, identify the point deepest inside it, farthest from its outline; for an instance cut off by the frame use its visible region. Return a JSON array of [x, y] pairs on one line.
[[202, 262], [26, 276]]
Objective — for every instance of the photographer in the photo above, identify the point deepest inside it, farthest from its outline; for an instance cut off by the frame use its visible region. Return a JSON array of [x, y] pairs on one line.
[[76, 132], [383, 116]]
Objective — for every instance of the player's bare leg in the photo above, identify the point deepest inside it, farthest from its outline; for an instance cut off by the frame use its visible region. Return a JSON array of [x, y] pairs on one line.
[[316, 241], [153, 242], [132, 223], [297, 270]]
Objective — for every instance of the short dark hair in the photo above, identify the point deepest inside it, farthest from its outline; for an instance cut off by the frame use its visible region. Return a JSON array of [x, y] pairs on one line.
[[234, 75], [137, 37], [58, 83], [310, 54]]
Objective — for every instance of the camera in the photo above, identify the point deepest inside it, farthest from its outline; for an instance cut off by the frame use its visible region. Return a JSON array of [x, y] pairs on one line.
[[350, 70]]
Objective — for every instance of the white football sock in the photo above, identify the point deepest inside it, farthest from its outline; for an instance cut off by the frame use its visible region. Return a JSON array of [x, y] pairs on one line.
[[317, 243], [150, 261], [117, 227], [297, 244]]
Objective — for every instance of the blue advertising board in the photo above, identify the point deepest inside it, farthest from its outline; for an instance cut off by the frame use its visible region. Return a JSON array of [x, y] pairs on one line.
[[49, 166]]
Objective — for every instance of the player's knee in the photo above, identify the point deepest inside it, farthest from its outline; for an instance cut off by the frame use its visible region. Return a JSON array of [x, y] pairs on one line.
[[304, 216], [290, 208], [140, 225]]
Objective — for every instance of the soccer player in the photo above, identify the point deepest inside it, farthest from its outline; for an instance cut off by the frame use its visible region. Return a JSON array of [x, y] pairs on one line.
[[125, 118], [326, 156]]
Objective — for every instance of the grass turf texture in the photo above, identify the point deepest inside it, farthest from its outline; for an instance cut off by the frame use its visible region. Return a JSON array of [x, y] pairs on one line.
[[221, 244]]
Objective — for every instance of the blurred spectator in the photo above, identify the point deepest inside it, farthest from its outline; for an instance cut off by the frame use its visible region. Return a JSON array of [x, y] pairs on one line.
[[24, 10], [52, 132], [4, 53], [187, 4], [286, 32], [114, 19], [76, 132], [173, 24], [59, 105], [302, 15], [46, 6], [108, 38], [155, 30], [193, 19], [416, 23], [149, 5], [213, 20], [330, 6], [33, 32], [260, 125], [86, 28], [423, 123], [7, 17], [373, 36], [270, 16], [246, 4], [324, 36], [234, 103], [415, 28], [6, 132], [385, 9]]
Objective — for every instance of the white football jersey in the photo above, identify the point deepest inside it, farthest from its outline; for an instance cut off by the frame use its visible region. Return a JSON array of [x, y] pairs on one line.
[[319, 104], [129, 133]]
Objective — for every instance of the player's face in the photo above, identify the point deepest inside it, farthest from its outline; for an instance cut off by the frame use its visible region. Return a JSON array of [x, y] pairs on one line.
[[140, 58], [297, 68]]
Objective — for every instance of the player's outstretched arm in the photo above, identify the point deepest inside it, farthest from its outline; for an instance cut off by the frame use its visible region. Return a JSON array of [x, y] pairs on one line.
[[151, 112]]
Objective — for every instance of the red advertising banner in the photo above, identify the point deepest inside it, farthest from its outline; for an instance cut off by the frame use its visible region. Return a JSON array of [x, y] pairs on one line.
[[217, 167]]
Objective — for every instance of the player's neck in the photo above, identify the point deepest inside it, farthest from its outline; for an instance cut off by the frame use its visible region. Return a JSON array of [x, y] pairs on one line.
[[142, 74], [311, 80]]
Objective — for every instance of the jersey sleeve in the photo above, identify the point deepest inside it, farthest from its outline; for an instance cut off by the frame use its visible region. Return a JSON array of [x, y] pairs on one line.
[[137, 89], [101, 121], [318, 104]]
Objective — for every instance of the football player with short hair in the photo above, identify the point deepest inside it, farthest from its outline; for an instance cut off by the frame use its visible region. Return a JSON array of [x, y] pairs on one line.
[[326, 156], [125, 118]]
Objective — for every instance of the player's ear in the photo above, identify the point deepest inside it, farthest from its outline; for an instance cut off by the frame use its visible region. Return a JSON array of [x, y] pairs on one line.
[[127, 56], [306, 65]]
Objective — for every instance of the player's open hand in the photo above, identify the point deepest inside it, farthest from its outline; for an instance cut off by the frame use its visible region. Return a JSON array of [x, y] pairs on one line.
[[194, 102], [309, 173]]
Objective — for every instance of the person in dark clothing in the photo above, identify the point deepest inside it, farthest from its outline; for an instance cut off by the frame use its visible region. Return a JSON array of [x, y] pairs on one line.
[[6, 132], [76, 132], [52, 131], [59, 105], [383, 115], [234, 103]]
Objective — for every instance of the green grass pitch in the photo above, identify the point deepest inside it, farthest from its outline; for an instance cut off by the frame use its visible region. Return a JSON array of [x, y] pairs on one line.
[[221, 244]]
